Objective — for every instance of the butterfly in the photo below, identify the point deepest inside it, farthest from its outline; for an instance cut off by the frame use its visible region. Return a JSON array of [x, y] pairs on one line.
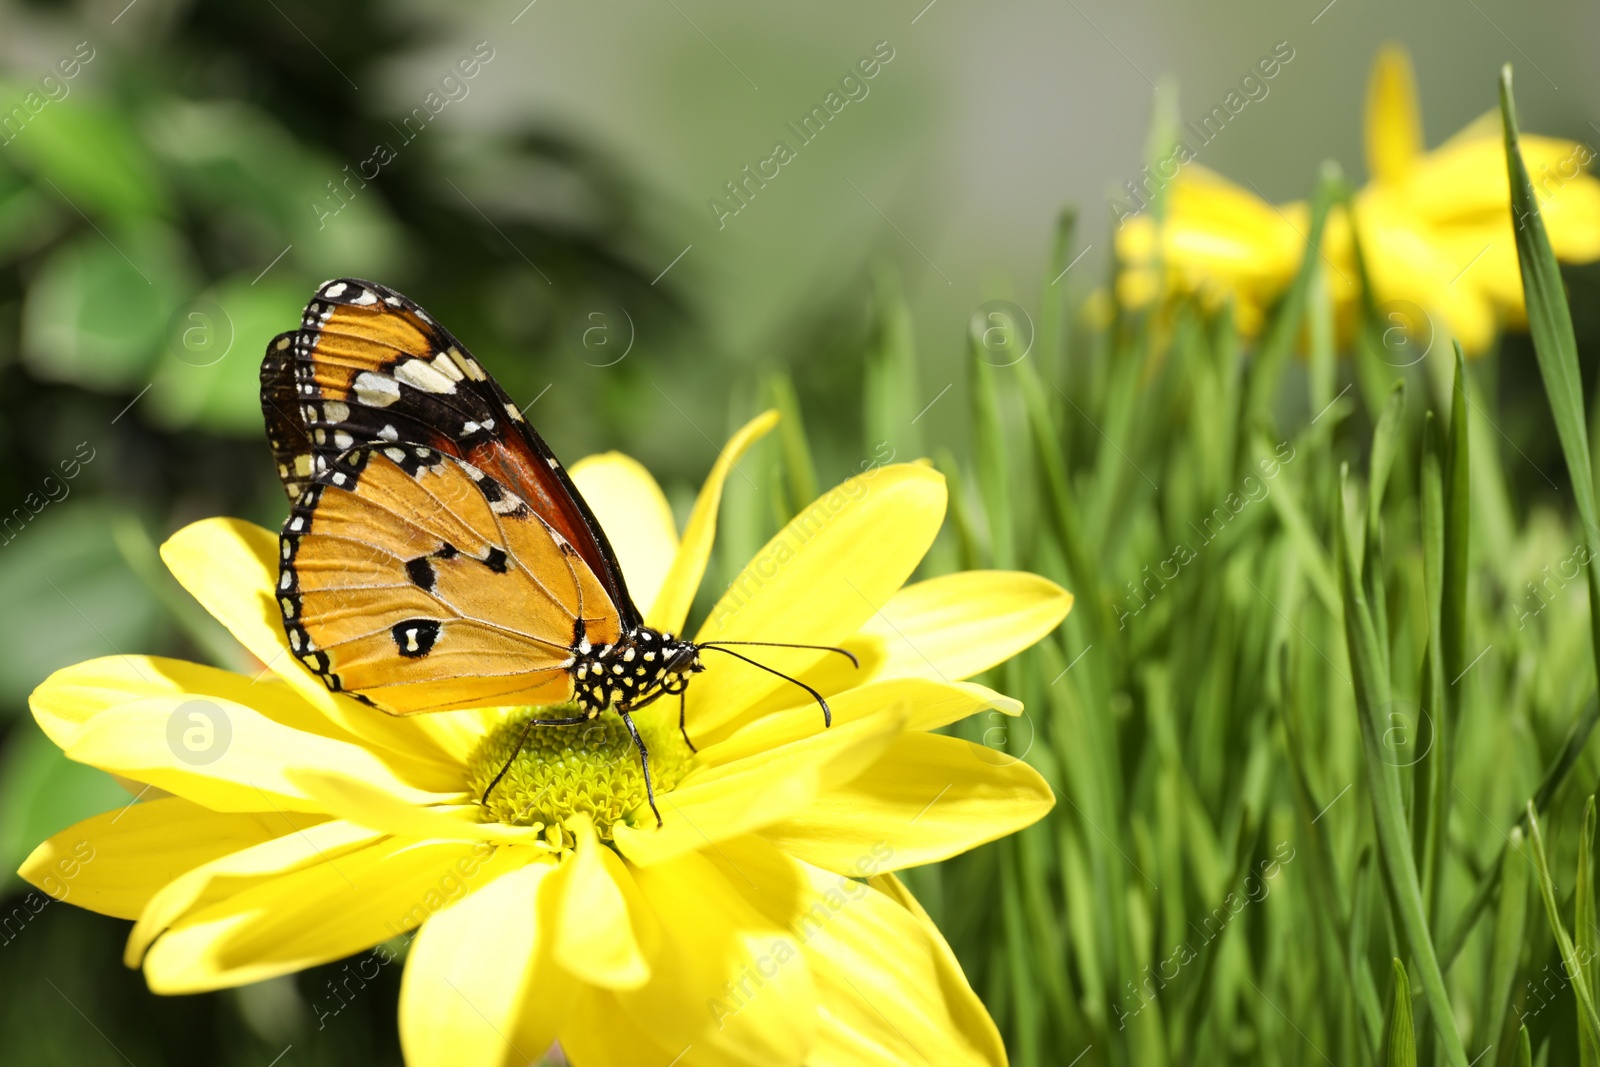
[[436, 554]]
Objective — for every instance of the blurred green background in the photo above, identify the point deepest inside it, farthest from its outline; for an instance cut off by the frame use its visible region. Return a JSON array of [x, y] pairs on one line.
[[172, 204]]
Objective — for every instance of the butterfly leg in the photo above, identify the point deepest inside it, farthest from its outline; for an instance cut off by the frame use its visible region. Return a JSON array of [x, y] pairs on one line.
[[681, 729], [522, 740], [644, 761]]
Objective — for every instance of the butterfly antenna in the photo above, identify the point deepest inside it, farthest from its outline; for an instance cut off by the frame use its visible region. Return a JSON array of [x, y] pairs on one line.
[[827, 714], [851, 656]]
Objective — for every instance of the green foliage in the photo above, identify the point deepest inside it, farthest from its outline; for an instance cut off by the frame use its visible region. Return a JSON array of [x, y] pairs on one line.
[[1327, 683]]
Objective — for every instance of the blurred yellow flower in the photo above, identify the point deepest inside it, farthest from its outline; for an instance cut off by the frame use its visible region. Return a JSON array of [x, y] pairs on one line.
[[1435, 227], [287, 826]]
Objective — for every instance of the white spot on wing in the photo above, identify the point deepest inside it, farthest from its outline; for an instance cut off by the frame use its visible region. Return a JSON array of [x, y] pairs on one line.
[[367, 297], [376, 390], [420, 375], [336, 411], [334, 290], [447, 367]]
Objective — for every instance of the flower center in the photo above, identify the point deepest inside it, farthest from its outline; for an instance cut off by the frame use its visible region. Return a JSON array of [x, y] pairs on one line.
[[591, 767]]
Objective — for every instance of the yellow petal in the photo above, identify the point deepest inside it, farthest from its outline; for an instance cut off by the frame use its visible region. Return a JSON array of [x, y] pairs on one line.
[[929, 798], [1394, 124], [302, 842], [1406, 262], [887, 991], [320, 913], [480, 988], [229, 757], [672, 604], [231, 567], [64, 702], [930, 705], [1220, 233], [961, 624], [842, 559], [636, 518], [598, 910], [713, 803], [356, 801], [730, 987], [115, 862], [967, 1013]]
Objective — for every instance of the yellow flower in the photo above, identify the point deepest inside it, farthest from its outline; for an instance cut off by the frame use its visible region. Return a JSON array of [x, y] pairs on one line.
[[287, 826], [1435, 227]]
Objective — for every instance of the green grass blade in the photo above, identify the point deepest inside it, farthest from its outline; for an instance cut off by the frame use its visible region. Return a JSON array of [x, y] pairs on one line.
[[890, 396], [1371, 688], [1060, 504], [1402, 1035], [1509, 931], [1554, 776], [1524, 1048], [1385, 445], [1575, 972], [990, 453], [1051, 341], [1427, 781], [1588, 938], [1550, 323], [1280, 339], [799, 483], [1457, 525]]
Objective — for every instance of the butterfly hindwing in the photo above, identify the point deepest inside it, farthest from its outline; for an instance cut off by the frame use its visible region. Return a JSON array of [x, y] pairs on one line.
[[292, 450], [418, 583], [373, 368]]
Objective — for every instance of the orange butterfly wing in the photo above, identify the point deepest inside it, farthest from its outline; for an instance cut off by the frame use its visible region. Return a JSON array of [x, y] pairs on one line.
[[416, 582], [368, 366]]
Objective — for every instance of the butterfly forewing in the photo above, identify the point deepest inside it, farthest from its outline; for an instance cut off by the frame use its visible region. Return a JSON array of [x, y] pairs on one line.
[[371, 367], [417, 582]]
